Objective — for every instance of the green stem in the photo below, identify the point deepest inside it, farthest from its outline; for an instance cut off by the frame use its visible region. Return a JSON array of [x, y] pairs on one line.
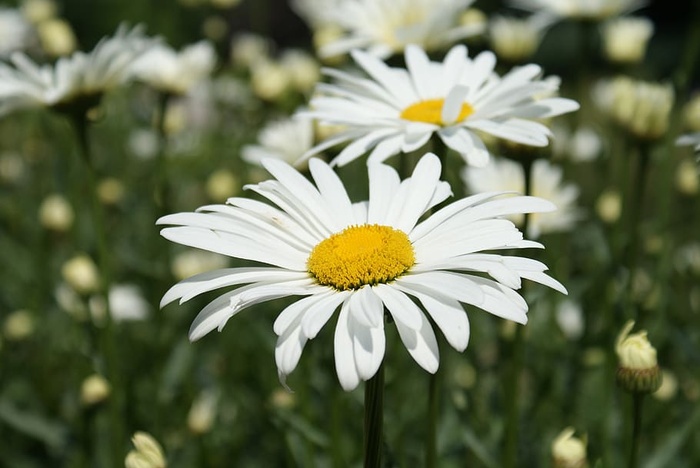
[[513, 378], [634, 207], [433, 414], [637, 404], [161, 175], [374, 414], [107, 339]]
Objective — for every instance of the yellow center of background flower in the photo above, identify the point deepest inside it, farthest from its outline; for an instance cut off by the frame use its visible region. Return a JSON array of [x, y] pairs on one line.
[[360, 255], [430, 111]]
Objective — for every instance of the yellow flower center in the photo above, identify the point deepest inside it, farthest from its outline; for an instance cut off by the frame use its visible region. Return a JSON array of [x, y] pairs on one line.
[[430, 111], [360, 255]]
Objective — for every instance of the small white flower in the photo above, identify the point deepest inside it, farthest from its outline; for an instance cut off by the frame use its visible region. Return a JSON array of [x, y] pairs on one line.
[[641, 107], [690, 139], [176, 72], [547, 182], [569, 317], [386, 27], [516, 39], [362, 258], [15, 32], [80, 77], [287, 139], [126, 303], [398, 110]]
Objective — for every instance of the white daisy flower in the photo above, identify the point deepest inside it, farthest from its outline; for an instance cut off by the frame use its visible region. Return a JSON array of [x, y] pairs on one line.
[[583, 9], [176, 72], [81, 77], [386, 27], [285, 139], [547, 182], [398, 110], [362, 258], [690, 139], [15, 32]]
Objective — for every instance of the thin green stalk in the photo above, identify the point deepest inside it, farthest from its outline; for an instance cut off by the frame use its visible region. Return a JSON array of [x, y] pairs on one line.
[[433, 414], [374, 415], [634, 206], [637, 404], [162, 190], [107, 340], [517, 350]]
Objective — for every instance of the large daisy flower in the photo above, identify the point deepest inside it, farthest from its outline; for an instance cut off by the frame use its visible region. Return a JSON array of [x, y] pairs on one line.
[[398, 110], [362, 258], [82, 77]]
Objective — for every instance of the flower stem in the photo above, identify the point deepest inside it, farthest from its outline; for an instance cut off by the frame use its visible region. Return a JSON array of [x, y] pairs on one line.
[[517, 351], [374, 413], [634, 206], [433, 405], [108, 343], [637, 404]]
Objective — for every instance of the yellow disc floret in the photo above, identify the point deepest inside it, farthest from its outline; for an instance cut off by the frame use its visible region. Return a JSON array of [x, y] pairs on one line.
[[430, 111], [360, 255]]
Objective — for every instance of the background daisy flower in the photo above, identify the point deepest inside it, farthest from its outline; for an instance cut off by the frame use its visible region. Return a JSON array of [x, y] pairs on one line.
[[80, 77], [398, 110], [362, 258], [547, 182], [386, 27]]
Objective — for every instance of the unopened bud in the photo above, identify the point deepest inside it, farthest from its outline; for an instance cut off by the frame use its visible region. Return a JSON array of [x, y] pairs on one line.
[[569, 451], [95, 389], [638, 370]]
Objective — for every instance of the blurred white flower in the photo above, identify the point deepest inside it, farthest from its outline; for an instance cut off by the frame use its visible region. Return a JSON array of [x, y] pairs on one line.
[[193, 262], [582, 9], [547, 182], [111, 190], [56, 213], [517, 39], [625, 39], [81, 78], [287, 139], [690, 139], [303, 69], [398, 110], [318, 14], [248, 48], [386, 27], [641, 107], [126, 303], [269, 80], [174, 72], [15, 32], [143, 143], [569, 317]]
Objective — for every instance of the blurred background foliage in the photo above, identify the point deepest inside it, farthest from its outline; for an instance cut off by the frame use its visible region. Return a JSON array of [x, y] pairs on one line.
[[218, 402]]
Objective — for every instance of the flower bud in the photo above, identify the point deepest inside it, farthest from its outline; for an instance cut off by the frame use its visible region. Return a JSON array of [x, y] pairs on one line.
[[687, 177], [56, 37], [514, 39], [609, 206], [18, 325], [221, 185], [56, 213], [95, 389], [80, 272], [625, 39], [37, 11], [202, 413], [148, 453], [569, 451], [638, 370]]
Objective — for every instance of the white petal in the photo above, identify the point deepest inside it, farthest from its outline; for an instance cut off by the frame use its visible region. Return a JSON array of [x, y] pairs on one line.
[[343, 352], [320, 312], [368, 347], [421, 344], [453, 104], [333, 190], [401, 308]]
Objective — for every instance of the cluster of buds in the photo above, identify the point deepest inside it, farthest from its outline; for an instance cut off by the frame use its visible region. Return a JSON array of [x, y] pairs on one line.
[[638, 370]]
